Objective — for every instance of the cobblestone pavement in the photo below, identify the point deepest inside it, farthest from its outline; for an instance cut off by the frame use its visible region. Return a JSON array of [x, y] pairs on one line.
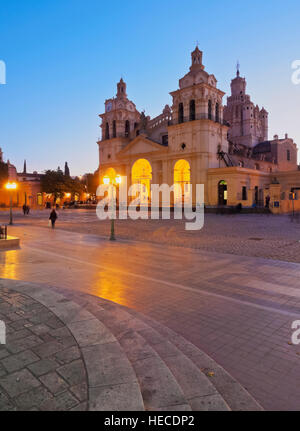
[[256, 235], [66, 350], [41, 367], [237, 309]]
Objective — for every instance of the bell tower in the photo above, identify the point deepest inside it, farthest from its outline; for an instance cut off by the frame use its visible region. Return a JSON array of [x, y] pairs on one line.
[[121, 90], [118, 124], [248, 124], [238, 84], [196, 60]]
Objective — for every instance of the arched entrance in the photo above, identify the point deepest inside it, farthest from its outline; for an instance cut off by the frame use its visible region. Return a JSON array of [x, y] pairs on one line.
[[141, 173], [110, 174], [182, 177], [222, 192]]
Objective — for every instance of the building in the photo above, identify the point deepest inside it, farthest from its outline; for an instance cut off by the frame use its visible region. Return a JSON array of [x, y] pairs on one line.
[[28, 191], [200, 141]]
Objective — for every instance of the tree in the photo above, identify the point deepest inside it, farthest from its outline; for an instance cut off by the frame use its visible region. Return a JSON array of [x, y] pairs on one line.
[[56, 183], [92, 182], [67, 170], [3, 173], [53, 182], [74, 185]]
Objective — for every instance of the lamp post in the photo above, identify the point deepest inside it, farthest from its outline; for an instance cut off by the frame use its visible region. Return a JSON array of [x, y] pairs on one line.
[[114, 182], [10, 187]]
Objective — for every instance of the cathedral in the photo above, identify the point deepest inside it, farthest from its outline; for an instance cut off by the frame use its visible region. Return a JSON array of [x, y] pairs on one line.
[[201, 140]]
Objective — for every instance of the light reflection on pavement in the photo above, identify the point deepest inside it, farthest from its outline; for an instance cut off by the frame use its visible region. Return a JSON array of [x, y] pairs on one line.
[[237, 309]]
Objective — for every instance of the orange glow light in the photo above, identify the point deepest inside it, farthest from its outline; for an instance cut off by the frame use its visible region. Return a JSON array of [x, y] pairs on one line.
[[11, 186]]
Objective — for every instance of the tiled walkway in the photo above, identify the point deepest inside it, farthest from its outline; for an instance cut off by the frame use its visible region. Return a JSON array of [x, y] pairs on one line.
[[237, 309], [41, 367]]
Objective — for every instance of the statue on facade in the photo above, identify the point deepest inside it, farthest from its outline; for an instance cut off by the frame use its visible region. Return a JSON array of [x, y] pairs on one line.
[[143, 122]]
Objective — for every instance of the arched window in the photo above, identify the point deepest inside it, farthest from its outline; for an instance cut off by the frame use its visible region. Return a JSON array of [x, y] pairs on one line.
[[209, 109], [217, 112], [106, 131], [114, 129], [180, 113], [192, 110], [182, 178], [127, 128]]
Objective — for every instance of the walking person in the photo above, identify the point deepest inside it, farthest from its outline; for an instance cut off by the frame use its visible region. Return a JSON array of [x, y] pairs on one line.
[[53, 218], [24, 209]]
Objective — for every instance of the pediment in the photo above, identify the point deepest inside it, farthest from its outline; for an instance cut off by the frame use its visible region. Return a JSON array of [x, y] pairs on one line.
[[140, 145]]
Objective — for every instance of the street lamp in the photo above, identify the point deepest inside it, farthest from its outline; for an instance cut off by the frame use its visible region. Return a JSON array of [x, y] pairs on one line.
[[10, 187], [113, 181]]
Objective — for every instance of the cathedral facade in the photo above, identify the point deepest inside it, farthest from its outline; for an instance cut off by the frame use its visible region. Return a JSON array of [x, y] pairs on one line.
[[199, 140]]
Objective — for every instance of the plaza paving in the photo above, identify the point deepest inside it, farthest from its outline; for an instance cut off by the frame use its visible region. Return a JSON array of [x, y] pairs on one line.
[[71, 351], [256, 235], [237, 309]]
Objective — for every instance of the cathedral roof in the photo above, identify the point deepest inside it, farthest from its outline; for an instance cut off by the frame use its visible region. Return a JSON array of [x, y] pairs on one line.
[[262, 147]]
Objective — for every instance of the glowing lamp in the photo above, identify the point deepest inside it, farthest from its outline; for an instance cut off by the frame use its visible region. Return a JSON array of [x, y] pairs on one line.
[[10, 186]]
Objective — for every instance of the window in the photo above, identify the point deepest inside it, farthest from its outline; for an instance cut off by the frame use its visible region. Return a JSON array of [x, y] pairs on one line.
[[256, 195], [127, 128], [165, 140], [244, 193], [114, 129], [217, 112], [209, 109], [180, 113], [192, 110], [288, 155], [106, 131]]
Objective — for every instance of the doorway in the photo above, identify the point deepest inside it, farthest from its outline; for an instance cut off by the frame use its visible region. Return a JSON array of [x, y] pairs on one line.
[[223, 193]]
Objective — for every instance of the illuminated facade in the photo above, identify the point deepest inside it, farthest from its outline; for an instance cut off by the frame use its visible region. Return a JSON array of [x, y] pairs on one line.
[[200, 141]]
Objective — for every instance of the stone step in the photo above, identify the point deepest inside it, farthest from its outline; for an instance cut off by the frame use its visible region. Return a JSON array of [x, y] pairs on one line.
[[234, 394], [135, 363], [169, 380], [112, 382], [159, 388]]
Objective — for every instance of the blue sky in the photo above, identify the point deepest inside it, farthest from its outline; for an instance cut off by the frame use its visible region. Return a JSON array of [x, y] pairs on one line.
[[64, 58]]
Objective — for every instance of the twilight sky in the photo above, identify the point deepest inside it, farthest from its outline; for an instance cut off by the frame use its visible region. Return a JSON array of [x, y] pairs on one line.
[[64, 58]]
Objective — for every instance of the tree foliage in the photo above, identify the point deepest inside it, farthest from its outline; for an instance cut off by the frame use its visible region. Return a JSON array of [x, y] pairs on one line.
[[3, 173], [92, 182], [56, 183]]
